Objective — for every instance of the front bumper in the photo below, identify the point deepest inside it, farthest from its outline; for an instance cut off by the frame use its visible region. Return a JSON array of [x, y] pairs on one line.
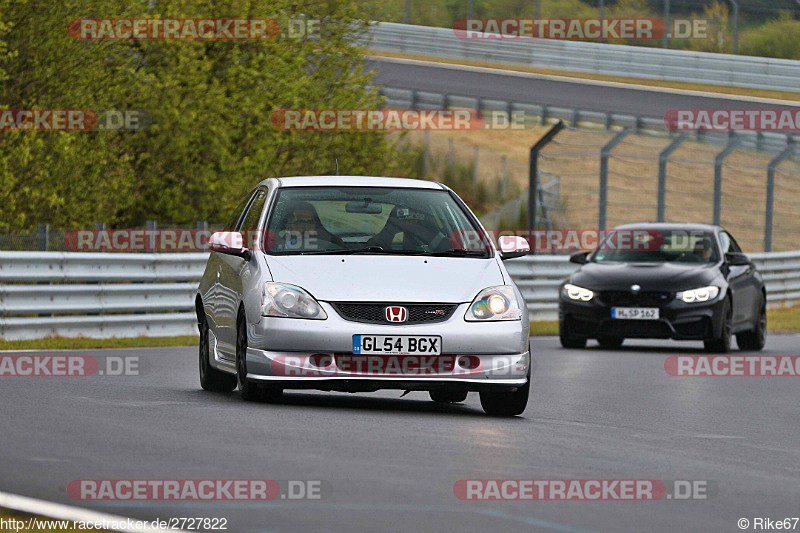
[[678, 320], [288, 353]]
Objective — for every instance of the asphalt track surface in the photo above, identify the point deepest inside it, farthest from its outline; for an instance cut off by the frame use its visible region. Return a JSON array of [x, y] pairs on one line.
[[535, 89], [390, 463]]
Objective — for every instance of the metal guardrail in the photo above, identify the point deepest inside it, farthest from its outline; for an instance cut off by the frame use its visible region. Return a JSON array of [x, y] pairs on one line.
[[773, 142], [129, 295], [619, 60]]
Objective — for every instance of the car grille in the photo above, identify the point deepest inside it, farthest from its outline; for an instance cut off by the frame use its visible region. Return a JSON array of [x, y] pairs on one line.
[[375, 313], [636, 328], [643, 299]]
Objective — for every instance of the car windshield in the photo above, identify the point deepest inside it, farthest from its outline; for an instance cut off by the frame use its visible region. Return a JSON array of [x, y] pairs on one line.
[[370, 220], [659, 246]]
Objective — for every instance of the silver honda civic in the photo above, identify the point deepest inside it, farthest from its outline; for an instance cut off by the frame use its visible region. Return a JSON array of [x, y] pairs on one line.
[[356, 284]]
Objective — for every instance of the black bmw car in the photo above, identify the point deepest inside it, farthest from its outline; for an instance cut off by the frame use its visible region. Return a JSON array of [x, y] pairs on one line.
[[664, 281]]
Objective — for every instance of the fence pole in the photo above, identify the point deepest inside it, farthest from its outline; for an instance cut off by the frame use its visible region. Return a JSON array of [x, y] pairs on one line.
[[663, 157], [426, 154], [43, 236], [665, 44], [407, 13], [475, 166], [450, 156], [600, 6], [605, 152], [503, 180], [735, 26], [733, 143], [533, 177], [773, 165]]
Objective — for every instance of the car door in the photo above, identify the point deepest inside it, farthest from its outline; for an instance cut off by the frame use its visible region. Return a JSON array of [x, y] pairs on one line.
[[229, 291], [742, 282]]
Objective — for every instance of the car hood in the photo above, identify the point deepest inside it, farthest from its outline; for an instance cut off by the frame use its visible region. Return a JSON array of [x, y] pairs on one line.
[[383, 278], [651, 277]]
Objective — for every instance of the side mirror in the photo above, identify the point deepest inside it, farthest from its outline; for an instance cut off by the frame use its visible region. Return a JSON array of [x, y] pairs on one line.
[[512, 246], [229, 242], [737, 259], [580, 258]]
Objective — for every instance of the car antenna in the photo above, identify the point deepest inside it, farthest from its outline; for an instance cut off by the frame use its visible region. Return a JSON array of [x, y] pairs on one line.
[[337, 166]]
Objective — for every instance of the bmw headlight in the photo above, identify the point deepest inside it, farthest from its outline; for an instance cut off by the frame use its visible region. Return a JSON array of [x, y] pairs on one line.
[[573, 292], [703, 294], [284, 300], [494, 303]]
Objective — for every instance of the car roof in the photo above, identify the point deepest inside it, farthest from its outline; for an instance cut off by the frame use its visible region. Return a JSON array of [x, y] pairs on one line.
[[671, 226], [355, 181]]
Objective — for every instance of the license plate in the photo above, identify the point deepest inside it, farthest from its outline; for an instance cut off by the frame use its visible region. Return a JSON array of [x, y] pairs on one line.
[[635, 313], [396, 345]]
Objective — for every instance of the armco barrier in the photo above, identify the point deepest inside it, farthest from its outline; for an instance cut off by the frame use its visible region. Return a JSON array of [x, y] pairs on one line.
[[129, 295], [611, 59]]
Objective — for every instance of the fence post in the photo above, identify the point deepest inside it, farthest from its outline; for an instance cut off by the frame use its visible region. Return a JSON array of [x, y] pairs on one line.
[[503, 180], [605, 152], [533, 177], [665, 44], [735, 26], [450, 156], [733, 143], [426, 154], [663, 157], [475, 166], [43, 236], [773, 165]]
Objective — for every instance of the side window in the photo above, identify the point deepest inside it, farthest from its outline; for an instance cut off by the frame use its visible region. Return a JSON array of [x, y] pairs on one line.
[[725, 242], [728, 244], [254, 212], [232, 225]]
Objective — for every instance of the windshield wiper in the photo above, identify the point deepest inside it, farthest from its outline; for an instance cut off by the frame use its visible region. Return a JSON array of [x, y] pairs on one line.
[[364, 250], [460, 253]]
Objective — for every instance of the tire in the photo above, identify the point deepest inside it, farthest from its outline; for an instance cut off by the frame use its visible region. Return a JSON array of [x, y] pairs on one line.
[[722, 344], [211, 379], [250, 391], [507, 403], [610, 343], [444, 396], [756, 338], [568, 340]]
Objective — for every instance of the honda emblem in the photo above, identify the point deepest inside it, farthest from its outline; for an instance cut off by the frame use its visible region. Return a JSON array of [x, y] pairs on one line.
[[396, 314]]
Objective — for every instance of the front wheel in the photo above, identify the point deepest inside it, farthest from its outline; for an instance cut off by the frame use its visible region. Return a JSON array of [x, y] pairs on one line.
[[610, 343], [211, 379], [568, 338], [756, 338], [441, 396], [250, 391], [507, 403], [722, 343]]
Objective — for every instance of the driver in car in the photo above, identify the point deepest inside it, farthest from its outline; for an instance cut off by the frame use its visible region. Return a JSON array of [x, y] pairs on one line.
[[304, 230]]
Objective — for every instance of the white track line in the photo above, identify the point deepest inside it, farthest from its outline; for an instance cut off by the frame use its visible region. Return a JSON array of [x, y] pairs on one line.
[[58, 511], [615, 84]]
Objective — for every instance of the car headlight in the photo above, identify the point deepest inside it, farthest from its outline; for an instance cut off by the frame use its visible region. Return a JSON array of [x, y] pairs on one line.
[[574, 292], [284, 300], [494, 303], [703, 294]]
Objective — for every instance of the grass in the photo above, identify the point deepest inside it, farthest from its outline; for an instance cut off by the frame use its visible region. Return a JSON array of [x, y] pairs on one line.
[[61, 343], [779, 320], [736, 91]]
